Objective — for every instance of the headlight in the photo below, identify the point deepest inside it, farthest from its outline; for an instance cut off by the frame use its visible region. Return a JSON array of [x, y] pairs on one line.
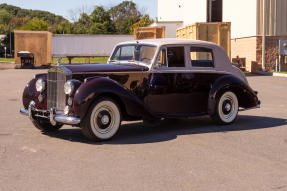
[[69, 87], [40, 85], [66, 110]]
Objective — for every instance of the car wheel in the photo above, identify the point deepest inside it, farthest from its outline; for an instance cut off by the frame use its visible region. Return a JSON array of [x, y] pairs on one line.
[[102, 121], [226, 108], [45, 126]]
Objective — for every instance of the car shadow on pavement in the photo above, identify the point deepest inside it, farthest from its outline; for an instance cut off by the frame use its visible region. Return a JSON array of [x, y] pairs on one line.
[[137, 133]]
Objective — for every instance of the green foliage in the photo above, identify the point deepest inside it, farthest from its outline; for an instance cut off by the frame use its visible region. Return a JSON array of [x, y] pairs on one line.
[[124, 16], [143, 22], [36, 24], [120, 19], [5, 17], [6, 43], [64, 27]]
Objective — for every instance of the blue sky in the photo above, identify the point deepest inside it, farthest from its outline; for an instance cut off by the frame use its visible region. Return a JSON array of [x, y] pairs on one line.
[[67, 7]]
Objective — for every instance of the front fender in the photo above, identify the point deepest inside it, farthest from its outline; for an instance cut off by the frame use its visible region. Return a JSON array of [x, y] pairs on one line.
[[92, 89], [247, 98], [30, 93]]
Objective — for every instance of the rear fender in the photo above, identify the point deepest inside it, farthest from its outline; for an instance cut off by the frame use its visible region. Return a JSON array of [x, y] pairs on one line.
[[247, 98]]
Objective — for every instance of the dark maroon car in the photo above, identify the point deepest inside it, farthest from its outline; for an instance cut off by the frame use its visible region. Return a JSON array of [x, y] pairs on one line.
[[143, 80]]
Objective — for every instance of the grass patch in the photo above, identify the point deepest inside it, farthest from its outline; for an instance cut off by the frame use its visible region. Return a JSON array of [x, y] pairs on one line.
[[83, 60], [280, 72], [7, 60]]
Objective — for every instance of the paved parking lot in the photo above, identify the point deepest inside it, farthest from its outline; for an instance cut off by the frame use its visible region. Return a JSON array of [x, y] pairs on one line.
[[180, 155]]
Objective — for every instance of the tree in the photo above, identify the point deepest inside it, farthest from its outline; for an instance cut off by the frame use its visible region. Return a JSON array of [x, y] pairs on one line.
[[124, 16], [143, 22], [102, 23], [82, 25], [64, 27], [5, 17], [6, 43], [36, 24]]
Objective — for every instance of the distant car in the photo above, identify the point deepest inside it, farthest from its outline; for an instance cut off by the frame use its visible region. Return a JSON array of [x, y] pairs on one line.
[[143, 80]]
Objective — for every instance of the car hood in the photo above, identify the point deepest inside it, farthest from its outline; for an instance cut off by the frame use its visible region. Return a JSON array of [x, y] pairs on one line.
[[103, 67]]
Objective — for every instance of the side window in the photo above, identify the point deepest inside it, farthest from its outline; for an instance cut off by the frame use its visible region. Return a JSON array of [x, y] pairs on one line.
[[175, 57], [171, 57], [201, 57]]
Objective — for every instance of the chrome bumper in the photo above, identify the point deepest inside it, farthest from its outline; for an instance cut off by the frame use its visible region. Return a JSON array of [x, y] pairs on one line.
[[54, 118]]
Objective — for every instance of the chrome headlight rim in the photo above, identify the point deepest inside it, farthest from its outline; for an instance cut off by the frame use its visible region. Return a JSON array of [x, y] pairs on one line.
[[40, 85], [69, 87]]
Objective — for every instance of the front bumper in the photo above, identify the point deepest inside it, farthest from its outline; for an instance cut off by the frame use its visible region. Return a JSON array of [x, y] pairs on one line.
[[50, 115]]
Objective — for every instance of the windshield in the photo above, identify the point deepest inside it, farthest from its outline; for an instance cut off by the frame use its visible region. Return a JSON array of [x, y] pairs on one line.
[[141, 53]]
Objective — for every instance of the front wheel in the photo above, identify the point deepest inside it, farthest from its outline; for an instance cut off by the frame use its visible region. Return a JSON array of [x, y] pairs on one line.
[[102, 121], [226, 108]]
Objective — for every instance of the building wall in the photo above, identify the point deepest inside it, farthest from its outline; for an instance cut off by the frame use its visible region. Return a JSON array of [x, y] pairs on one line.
[[36, 42], [250, 48], [275, 17], [245, 48], [242, 14], [170, 27], [188, 11], [242, 17], [272, 52]]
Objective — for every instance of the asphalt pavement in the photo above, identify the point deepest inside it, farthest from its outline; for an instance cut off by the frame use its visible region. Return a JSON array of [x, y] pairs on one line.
[[194, 154]]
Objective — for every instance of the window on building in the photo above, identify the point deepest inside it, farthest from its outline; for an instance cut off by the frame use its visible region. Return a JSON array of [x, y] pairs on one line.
[[214, 11], [201, 57]]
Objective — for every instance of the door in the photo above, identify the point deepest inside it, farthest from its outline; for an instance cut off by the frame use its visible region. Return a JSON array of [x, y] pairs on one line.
[[168, 87]]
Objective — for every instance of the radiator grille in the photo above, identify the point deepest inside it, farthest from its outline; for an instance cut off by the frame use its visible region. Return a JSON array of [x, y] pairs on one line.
[[56, 96]]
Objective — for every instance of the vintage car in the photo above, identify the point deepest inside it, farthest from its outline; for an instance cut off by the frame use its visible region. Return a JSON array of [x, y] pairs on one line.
[[143, 80]]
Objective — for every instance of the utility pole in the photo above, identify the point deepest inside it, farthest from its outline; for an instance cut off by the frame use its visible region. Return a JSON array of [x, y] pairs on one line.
[[10, 41], [263, 36], [5, 48]]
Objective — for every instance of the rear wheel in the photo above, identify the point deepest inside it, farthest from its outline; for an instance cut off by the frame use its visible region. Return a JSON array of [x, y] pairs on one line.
[[226, 108], [45, 126], [102, 121]]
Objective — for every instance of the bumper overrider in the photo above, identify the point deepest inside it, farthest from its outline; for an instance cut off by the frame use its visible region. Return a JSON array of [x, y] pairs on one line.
[[51, 115]]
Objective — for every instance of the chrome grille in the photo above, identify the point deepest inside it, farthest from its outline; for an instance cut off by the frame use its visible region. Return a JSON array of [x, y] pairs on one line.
[[56, 97]]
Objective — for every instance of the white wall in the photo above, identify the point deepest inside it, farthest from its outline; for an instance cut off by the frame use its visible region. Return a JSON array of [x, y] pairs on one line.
[[188, 11], [242, 15], [170, 28]]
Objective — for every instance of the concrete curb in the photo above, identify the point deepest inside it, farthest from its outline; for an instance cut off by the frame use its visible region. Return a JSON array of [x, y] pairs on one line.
[[280, 75], [7, 65]]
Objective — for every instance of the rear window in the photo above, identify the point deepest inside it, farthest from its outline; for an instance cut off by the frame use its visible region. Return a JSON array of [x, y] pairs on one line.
[[201, 57]]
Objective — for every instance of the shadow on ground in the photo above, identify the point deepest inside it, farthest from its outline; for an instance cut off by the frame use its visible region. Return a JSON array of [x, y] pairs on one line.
[[136, 133]]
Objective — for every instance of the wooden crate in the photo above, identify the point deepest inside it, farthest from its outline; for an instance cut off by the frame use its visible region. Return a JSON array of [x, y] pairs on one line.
[[149, 32], [218, 33], [39, 43]]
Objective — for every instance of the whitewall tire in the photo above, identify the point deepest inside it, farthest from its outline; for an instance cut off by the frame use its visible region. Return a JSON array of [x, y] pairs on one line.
[[226, 110], [102, 121]]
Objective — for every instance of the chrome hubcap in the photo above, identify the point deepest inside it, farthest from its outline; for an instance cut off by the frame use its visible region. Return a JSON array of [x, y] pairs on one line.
[[227, 107], [105, 119]]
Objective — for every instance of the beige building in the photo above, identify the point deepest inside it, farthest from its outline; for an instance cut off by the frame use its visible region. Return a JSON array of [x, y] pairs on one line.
[[248, 19], [271, 26]]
